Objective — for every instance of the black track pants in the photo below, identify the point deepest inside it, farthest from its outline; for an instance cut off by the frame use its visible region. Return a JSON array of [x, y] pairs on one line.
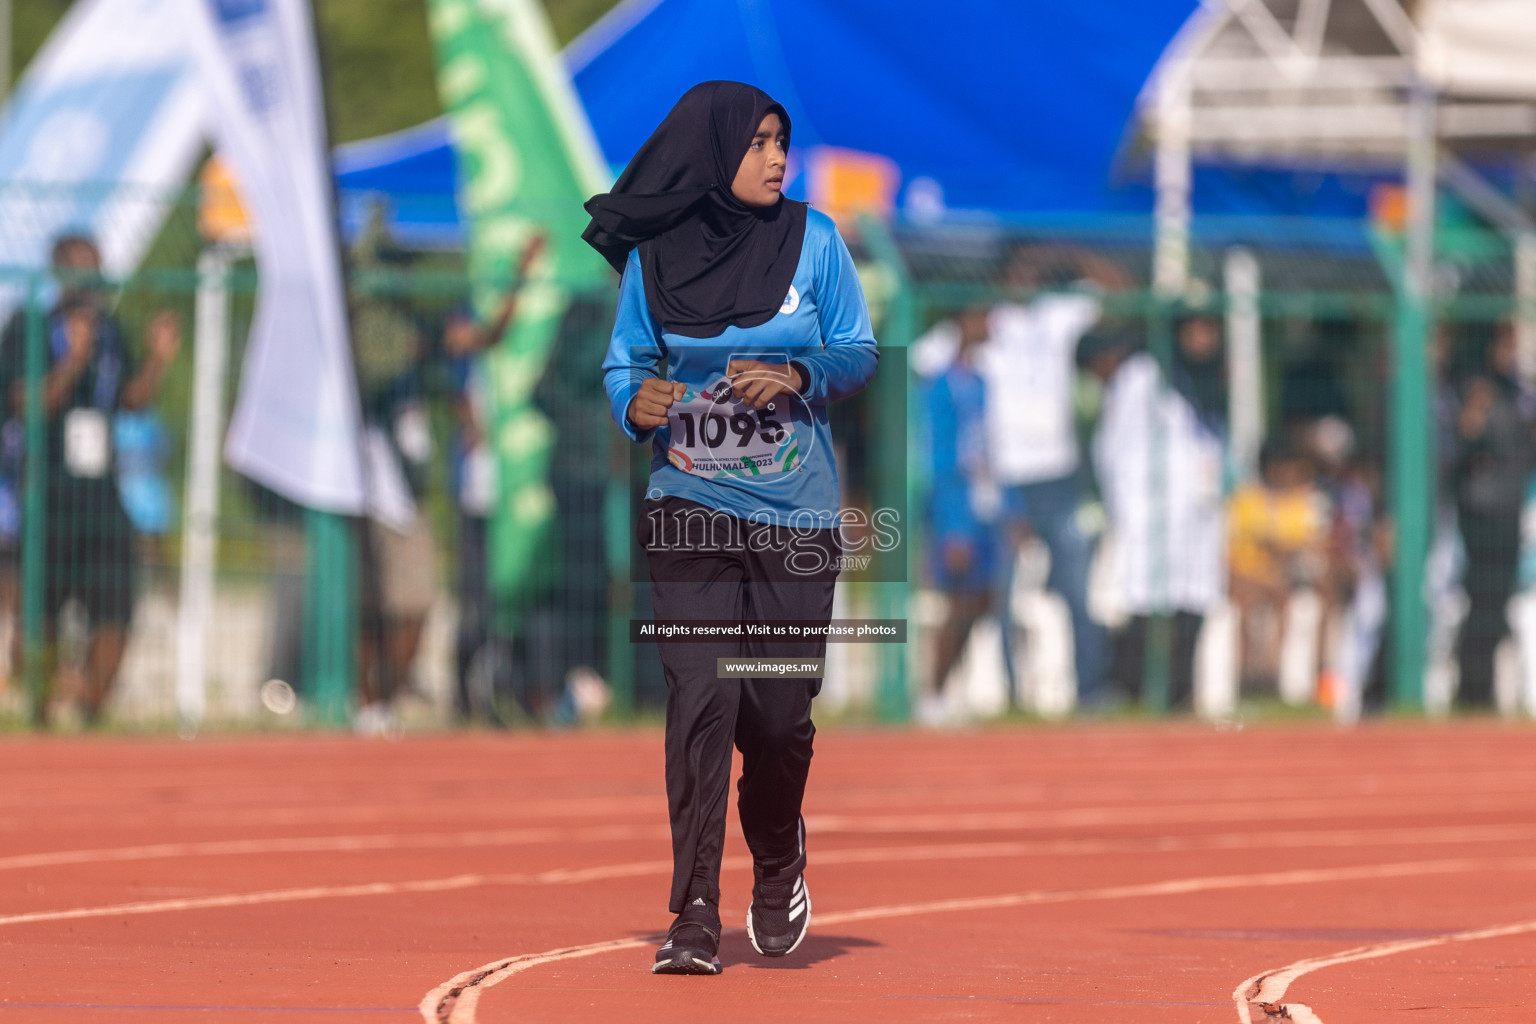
[[1493, 555], [707, 565]]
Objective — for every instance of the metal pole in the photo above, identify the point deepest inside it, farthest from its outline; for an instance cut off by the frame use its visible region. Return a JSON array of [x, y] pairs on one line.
[[330, 615], [1409, 460], [888, 400], [1172, 211], [200, 531], [618, 528], [339, 550], [1170, 275], [1245, 399], [34, 533], [1525, 304]]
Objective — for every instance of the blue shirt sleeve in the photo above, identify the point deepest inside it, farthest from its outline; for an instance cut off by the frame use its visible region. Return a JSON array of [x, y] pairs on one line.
[[634, 351], [848, 357]]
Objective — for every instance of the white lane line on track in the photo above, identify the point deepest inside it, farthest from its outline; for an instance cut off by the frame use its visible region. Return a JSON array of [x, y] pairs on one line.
[[1354, 806], [335, 844], [455, 1000], [1448, 834], [1145, 814], [1266, 989], [574, 876]]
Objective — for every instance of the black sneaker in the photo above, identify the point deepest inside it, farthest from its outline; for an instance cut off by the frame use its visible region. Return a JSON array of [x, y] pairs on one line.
[[780, 909], [692, 941]]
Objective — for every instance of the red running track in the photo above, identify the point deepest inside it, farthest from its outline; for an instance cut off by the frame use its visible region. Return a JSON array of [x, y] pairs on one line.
[[1075, 874]]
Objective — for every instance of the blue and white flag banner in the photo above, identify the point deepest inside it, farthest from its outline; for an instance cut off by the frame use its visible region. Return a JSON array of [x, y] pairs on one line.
[[99, 135], [295, 426]]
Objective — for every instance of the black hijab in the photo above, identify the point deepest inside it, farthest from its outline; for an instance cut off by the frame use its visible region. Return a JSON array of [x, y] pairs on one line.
[[1202, 382], [709, 259]]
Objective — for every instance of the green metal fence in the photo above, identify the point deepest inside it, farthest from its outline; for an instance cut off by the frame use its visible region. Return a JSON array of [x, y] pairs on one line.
[[1323, 308], [1308, 312]]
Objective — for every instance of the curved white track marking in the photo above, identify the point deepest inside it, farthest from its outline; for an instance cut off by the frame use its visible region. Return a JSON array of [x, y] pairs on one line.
[[1268, 988], [454, 1001], [1322, 838]]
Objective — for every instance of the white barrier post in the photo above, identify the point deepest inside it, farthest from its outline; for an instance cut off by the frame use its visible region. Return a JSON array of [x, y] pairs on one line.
[[199, 533], [1245, 397]]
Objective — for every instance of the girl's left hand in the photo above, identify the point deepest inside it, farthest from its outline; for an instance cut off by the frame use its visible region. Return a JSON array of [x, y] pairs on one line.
[[756, 383]]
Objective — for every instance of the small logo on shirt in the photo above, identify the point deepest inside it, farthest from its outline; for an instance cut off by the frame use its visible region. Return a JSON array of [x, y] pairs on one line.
[[791, 301]]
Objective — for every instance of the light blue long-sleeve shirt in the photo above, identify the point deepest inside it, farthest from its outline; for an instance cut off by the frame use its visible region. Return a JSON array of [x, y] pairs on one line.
[[823, 327]]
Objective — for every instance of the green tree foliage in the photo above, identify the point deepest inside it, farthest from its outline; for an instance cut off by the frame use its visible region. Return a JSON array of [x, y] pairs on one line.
[[570, 18], [31, 21], [379, 75]]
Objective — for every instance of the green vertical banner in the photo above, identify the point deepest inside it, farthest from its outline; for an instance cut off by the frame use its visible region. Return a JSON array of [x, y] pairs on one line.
[[527, 162]]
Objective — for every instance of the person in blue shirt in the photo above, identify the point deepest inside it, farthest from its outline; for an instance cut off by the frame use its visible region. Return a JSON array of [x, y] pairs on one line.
[[751, 303], [965, 557]]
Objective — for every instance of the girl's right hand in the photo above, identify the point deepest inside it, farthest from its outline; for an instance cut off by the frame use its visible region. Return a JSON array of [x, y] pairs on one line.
[[648, 409]]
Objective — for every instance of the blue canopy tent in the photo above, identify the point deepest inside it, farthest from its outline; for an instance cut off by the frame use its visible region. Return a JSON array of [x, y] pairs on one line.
[[1007, 107], [1014, 109], [412, 172]]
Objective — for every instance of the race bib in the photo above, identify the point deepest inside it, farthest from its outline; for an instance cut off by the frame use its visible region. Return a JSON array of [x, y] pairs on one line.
[[413, 434], [478, 491], [715, 435], [87, 443]]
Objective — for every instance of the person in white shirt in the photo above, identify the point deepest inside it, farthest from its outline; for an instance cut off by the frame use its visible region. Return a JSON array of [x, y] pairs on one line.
[[1029, 367]]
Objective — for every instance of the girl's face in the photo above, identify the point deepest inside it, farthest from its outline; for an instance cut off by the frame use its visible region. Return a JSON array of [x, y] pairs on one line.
[[761, 175]]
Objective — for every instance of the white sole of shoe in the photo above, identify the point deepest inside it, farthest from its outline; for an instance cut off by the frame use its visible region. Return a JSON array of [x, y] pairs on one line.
[[693, 965]]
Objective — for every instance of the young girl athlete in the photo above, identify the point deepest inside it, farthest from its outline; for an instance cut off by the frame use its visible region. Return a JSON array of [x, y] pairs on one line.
[[752, 301]]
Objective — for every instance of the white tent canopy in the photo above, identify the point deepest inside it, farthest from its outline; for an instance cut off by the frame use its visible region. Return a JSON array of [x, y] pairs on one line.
[[1331, 81], [1341, 83], [1479, 47]]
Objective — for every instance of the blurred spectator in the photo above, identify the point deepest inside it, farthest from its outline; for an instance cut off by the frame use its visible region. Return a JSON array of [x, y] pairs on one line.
[[1312, 383], [284, 548], [963, 509], [474, 487], [482, 659], [1278, 535], [91, 376], [1158, 451], [1446, 563], [1492, 468], [1028, 366], [1356, 579], [12, 436], [399, 551]]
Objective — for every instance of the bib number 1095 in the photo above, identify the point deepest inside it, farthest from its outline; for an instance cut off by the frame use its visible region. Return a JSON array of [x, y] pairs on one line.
[[715, 435], [712, 429]]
